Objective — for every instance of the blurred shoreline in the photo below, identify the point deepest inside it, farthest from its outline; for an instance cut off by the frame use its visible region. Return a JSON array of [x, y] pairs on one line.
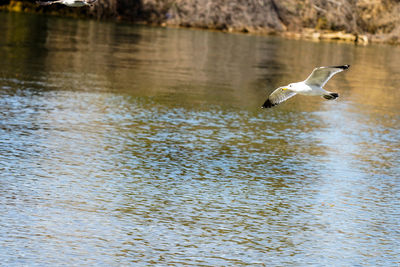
[[361, 22]]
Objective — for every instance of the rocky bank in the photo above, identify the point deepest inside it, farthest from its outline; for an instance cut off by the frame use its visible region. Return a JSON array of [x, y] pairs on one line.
[[355, 20]]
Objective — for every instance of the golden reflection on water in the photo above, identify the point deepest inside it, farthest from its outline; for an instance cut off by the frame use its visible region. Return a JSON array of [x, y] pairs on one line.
[[129, 144]]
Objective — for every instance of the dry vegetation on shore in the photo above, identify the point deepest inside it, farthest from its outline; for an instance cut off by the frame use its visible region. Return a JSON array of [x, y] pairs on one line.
[[357, 21]]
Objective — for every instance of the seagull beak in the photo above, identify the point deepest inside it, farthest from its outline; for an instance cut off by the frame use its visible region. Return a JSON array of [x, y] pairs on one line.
[[284, 88]]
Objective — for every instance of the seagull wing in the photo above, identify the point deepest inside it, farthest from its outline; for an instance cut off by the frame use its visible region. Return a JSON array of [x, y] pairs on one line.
[[46, 3], [277, 97], [320, 76]]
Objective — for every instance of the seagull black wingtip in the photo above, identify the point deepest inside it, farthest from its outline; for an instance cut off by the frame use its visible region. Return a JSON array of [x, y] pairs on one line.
[[268, 104], [343, 67]]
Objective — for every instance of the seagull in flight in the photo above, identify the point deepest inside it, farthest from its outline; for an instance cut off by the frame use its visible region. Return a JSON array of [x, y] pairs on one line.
[[70, 3], [311, 86]]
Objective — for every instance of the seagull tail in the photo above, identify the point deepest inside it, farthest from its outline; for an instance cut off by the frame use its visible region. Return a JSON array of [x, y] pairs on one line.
[[331, 96]]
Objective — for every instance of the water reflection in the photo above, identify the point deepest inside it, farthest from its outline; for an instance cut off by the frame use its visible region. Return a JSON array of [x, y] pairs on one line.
[[124, 145]]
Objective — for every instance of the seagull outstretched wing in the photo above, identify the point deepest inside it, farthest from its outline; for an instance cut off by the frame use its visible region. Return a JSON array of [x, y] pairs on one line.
[[46, 3], [278, 96], [320, 76]]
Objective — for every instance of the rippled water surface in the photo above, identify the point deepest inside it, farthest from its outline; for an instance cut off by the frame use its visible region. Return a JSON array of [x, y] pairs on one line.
[[131, 145]]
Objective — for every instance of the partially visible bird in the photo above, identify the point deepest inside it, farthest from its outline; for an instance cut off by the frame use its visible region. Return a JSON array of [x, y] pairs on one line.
[[70, 3], [311, 86]]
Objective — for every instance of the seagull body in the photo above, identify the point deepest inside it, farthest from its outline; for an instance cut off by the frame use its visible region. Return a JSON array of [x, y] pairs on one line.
[[70, 3], [311, 86]]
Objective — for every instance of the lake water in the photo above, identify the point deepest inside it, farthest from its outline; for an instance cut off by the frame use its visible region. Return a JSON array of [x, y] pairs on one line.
[[125, 145]]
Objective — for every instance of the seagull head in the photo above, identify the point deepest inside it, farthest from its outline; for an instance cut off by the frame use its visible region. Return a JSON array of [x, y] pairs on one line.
[[288, 87]]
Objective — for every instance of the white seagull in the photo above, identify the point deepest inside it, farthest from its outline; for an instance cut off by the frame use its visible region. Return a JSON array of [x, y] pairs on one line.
[[70, 3], [311, 86]]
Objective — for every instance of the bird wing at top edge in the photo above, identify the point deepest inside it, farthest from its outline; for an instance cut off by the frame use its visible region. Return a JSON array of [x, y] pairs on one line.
[[44, 3], [320, 76]]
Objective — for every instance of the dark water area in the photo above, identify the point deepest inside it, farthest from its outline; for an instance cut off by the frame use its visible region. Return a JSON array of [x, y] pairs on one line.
[[124, 145]]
